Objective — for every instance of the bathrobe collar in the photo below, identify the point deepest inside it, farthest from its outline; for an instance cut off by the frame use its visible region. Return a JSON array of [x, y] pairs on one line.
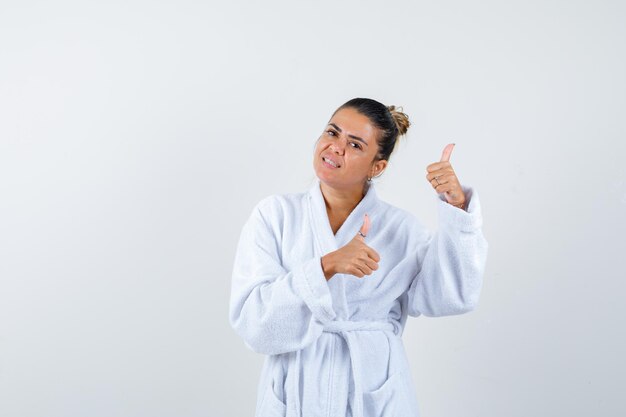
[[326, 240]]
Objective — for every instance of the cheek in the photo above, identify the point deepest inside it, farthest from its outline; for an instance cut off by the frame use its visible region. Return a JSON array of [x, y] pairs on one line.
[[321, 144], [319, 148], [364, 163]]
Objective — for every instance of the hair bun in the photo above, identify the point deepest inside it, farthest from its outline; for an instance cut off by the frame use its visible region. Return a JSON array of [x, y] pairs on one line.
[[401, 119]]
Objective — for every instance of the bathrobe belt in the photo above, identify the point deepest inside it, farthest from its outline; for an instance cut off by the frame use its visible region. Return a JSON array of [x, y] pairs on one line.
[[344, 328]]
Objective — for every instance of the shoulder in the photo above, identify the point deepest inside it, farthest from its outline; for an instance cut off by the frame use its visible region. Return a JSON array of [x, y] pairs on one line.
[[278, 206]]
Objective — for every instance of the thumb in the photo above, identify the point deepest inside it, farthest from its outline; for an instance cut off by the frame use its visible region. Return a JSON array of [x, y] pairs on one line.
[[447, 151], [365, 227]]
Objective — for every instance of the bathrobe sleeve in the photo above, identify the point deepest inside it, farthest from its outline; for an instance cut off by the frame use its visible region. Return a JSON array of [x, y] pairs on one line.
[[451, 262], [275, 310]]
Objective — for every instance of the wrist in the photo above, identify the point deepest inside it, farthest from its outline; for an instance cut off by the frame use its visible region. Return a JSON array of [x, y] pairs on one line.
[[460, 205], [328, 265]]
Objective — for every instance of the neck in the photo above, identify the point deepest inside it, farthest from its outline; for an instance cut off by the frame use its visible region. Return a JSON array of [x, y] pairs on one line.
[[342, 200]]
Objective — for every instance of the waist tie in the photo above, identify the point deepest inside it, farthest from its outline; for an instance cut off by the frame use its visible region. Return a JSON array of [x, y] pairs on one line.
[[345, 329]]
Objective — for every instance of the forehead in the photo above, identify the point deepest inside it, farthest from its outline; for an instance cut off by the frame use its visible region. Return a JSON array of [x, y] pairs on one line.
[[352, 122]]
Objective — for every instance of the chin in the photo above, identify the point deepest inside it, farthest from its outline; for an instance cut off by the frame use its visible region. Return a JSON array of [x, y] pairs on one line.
[[329, 177], [325, 178]]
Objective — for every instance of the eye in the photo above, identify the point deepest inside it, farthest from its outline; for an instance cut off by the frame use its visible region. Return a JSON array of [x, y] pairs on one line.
[[357, 145], [331, 132]]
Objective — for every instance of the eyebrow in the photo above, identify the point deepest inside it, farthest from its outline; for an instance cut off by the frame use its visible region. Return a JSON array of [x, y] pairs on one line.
[[352, 136]]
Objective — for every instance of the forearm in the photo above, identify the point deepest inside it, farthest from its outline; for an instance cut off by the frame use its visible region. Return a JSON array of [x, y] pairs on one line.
[[450, 279], [452, 262], [283, 313]]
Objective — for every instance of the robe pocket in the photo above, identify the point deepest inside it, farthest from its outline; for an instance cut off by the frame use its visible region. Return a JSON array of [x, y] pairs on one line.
[[271, 406], [389, 400]]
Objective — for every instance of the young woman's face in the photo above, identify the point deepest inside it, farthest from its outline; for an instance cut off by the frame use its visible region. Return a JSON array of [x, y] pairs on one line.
[[344, 153]]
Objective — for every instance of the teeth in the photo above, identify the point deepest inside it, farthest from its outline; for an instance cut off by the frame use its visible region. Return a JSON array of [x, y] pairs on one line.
[[330, 162]]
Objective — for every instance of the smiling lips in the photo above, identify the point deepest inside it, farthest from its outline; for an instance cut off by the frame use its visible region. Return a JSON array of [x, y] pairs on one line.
[[330, 162]]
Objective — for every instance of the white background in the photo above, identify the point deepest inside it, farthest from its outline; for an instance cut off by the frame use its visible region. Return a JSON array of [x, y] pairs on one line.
[[136, 136]]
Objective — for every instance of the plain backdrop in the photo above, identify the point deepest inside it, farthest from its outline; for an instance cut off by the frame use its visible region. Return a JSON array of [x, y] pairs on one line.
[[136, 136]]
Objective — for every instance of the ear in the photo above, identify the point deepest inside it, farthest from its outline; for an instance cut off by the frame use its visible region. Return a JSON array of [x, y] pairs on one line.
[[378, 167]]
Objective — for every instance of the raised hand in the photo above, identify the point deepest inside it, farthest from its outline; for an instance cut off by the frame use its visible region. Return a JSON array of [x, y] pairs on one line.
[[443, 179], [355, 258]]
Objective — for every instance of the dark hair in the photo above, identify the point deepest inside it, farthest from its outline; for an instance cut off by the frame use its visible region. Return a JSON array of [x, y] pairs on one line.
[[390, 121]]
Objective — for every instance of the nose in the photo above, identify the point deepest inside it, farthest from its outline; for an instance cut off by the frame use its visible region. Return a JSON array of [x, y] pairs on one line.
[[338, 146]]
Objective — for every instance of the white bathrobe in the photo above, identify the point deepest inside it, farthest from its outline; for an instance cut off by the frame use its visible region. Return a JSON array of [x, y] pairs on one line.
[[334, 348]]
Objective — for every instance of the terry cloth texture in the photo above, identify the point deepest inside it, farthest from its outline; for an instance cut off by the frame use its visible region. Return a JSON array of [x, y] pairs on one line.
[[334, 348]]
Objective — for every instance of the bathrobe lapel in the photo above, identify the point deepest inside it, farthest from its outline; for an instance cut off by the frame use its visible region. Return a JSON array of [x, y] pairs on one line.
[[326, 241]]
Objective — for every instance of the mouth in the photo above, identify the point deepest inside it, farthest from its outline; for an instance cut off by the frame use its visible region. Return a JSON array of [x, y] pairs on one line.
[[330, 162]]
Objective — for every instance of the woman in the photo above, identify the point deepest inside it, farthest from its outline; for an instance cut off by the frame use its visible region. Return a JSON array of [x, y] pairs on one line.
[[323, 280]]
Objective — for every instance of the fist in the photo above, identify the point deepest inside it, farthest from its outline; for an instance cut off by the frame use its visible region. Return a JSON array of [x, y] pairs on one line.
[[443, 179], [355, 258]]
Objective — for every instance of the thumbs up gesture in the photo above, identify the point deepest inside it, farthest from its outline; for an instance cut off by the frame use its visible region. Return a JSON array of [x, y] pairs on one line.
[[355, 258], [443, 179]]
